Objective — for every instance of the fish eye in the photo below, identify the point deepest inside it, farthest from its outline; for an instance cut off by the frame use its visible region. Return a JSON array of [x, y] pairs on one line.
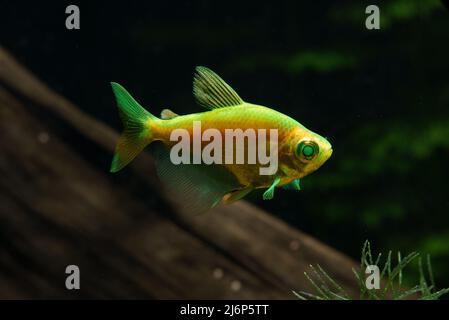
[[307, 150]]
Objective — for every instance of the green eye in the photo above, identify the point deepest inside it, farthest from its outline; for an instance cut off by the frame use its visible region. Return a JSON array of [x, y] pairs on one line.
[[307, 150]]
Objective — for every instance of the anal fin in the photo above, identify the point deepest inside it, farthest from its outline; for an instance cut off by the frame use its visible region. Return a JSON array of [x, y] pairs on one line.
[[195, 187]]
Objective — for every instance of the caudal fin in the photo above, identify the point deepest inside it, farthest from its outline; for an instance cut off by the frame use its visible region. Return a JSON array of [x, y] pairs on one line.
[[137, 133]]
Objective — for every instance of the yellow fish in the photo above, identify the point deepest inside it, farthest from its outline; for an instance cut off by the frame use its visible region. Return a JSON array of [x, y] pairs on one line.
[[205, 168]]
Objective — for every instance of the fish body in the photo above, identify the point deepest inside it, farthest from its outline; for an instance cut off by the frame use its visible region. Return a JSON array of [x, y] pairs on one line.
[[245, 116], [299, 151]]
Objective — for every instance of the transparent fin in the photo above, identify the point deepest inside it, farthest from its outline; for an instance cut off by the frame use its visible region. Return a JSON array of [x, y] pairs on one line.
[[195, 187]]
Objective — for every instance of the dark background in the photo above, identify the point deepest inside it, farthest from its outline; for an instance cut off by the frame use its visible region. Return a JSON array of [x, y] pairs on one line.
[[380, 96]]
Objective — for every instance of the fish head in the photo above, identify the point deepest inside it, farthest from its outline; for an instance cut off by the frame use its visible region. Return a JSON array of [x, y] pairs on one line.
[[310, 151]]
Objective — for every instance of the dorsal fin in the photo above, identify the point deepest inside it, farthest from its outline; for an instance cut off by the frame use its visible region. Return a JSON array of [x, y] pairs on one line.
[[212, 92], [168, 114]]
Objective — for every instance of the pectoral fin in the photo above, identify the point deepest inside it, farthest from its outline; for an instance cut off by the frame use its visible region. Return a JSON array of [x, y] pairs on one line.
[[294, 185], [269, 194]]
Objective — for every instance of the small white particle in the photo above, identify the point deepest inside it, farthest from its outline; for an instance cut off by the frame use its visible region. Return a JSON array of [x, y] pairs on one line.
[[218, 273], [236, 285], [43, 137]]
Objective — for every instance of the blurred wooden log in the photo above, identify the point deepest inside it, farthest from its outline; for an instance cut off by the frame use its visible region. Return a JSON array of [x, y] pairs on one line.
[[57, 208]]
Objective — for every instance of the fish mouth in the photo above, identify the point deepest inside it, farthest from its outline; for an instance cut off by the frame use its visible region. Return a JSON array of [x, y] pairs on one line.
[[327, 154], [324, 156]]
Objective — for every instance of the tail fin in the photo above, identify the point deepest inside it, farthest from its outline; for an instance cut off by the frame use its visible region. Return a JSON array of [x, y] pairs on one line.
[[137, 128]]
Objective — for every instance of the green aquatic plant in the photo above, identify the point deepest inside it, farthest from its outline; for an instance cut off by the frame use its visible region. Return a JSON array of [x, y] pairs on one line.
[[391, 285]]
